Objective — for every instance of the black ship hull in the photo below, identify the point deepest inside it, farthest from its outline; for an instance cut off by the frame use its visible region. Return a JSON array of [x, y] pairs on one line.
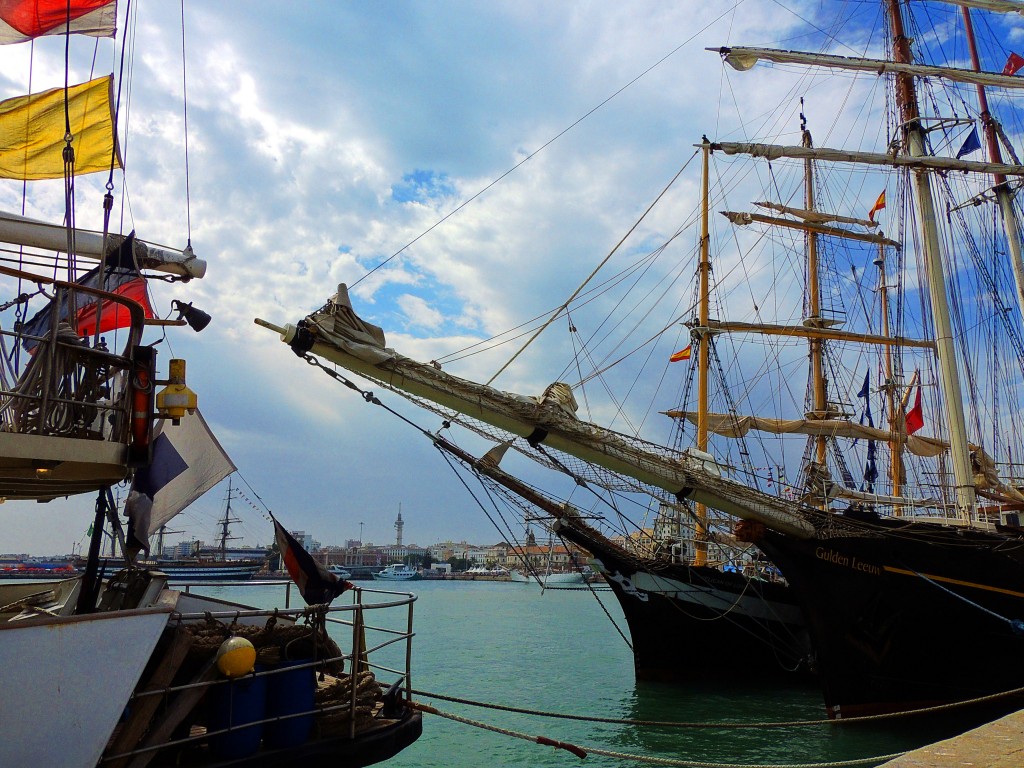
[[908, 615], [692, 623]]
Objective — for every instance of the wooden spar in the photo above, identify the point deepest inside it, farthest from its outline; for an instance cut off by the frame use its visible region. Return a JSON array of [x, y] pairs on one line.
[[743, 58], [828, 154], [805, 332], [547, 425], [700, 510], [820, 229], [949, 376], [1004, 196]]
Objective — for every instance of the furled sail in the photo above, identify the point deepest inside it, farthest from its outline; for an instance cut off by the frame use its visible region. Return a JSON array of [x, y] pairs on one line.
[[337, 334], [777, 151], [817, 217], [742, 59], [729, 425]]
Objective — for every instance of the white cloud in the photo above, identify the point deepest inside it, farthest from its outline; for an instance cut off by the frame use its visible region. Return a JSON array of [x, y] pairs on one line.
[[301, 123]]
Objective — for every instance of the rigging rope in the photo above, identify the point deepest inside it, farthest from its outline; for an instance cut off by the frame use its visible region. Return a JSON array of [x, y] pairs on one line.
[[722, 725], [565, 305], [582, 752]]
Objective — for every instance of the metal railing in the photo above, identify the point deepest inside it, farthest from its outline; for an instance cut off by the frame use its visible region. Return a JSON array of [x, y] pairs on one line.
[[55, 382], [386, 631]]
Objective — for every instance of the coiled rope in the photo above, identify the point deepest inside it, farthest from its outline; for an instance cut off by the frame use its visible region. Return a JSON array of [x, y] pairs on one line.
[[583, 752]]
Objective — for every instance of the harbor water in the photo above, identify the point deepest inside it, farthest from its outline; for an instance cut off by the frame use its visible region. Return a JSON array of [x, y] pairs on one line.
[[558, 651]]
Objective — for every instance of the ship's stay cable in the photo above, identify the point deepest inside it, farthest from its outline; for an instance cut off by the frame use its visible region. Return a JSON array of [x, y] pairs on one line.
[[370, 398], [1017, 625], [491, 486], [582, 752], [593, 274]]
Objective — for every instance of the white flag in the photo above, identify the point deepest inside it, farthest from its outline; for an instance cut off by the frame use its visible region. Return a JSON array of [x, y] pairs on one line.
[[187, 462]]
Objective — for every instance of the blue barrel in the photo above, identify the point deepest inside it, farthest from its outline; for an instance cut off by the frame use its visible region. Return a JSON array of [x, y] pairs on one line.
[[289, 691], [236, 703]]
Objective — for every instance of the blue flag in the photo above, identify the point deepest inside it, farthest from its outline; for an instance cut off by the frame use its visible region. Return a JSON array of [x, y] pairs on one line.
[[972, 144], [865, 393]]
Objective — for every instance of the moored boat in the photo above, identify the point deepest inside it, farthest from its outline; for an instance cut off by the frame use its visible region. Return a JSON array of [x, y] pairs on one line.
[[397, 572]]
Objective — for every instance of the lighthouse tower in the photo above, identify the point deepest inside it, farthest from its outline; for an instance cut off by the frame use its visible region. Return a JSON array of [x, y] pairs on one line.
[[398, 527]]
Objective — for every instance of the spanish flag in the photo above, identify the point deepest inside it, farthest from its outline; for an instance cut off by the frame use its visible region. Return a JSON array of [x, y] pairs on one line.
[[879, 205], [32, 132], [682, 354]]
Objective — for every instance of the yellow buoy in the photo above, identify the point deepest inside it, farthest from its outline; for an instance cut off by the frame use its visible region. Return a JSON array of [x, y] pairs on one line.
[[236, 657]]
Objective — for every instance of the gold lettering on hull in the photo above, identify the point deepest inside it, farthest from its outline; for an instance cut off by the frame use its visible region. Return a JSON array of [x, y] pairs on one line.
[[847, 561]]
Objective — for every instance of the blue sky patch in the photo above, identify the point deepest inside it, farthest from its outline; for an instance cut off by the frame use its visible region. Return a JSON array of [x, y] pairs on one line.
[[420, 186]]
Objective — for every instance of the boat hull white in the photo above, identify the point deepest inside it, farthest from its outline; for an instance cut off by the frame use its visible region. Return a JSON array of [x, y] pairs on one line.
[[66, 680], [549, 580]]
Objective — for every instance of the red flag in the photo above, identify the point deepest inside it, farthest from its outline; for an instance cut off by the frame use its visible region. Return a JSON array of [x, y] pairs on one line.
[[114, 315], [1013, 63], [879, 205], [682, 354], [915, 416], [316, 584], [120, 277], [22, 20]]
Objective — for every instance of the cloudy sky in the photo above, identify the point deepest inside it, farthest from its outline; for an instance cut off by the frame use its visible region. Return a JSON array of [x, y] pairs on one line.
[[325, 137]]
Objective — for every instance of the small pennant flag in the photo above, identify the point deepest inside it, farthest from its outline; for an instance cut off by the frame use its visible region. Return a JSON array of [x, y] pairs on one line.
[[682, 354], [879, 205], [915, 416], [971, 144], [1013, 63], [316, 584]]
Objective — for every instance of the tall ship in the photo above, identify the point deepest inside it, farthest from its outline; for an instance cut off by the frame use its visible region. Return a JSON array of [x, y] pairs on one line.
[[853, 356], [128, 669], [219, 563]]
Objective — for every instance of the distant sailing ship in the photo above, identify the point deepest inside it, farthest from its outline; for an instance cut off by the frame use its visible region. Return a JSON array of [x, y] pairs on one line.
[[921, 551], [216, 565]]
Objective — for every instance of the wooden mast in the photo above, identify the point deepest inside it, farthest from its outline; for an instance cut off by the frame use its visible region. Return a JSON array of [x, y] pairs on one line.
[[700, 540], [819, 403], [949, 377], [895, 414]]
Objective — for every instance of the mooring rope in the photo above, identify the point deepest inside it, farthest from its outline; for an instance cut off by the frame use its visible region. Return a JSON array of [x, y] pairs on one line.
[[583, 752], [718, 724]]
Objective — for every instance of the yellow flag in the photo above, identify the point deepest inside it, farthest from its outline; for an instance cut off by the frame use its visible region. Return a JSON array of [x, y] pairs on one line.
[[32, 131]]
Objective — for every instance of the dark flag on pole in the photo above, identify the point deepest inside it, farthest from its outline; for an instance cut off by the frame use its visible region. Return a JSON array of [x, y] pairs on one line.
[[316, 584], [971, 144], [870, 465]]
